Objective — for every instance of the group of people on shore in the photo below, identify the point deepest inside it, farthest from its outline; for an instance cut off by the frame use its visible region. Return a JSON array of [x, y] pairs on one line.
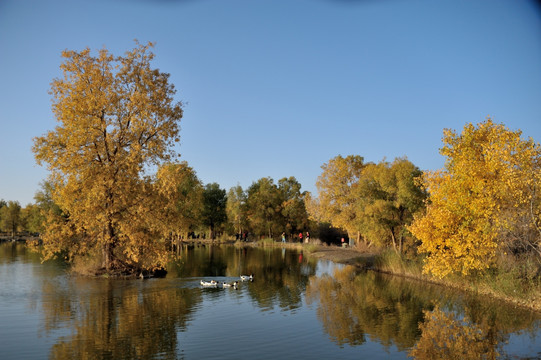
[[306, 237]]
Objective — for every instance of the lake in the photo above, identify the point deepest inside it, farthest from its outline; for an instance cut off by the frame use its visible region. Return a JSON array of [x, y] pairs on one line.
[[295, 307]]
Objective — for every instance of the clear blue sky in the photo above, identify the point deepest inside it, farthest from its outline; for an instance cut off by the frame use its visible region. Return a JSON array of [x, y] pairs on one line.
[[278, 87]]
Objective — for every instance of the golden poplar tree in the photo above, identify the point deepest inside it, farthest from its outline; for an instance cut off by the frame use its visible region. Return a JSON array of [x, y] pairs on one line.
[[388, 197], [485, 200], [337, 201], [117, 117], [181, 195]]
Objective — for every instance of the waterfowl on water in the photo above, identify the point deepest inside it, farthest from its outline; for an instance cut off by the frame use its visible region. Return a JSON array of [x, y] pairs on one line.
[[246, 277], [211, 283], [234, 284]]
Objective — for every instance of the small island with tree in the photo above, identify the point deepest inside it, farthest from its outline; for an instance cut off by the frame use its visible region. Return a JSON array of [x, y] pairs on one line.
[[117, 119]]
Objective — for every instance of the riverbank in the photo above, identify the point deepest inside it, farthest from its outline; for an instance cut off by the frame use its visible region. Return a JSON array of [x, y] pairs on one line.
[[391, 263], [388, 262], [342, 255]]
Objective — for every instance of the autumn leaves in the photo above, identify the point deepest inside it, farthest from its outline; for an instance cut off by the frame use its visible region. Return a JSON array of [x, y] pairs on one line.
[[486, 200], [117, 118]]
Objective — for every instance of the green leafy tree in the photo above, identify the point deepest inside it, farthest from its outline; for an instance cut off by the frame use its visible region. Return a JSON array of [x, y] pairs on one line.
[[116, 117], [293, 212], [236, 208], [180, 194], [2, 204], [388, 199], [264, 207], [214, 208], [10, 217], [32, 218]]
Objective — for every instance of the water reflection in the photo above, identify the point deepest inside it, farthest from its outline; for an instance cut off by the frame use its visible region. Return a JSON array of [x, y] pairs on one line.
[[16, 251], [349, 314], [445, 336], [352, 306], [116, 319], [111, 318], [434, 323], [280, 277]]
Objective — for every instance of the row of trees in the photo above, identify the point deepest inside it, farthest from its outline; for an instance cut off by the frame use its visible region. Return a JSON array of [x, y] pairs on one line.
[[117, 119], [264, 209], [189, 208], [484, 204], [373, 202], [15, 219]]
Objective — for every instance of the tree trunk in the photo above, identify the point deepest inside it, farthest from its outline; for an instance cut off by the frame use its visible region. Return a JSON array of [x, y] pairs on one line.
[[394, 240], [108, 247]]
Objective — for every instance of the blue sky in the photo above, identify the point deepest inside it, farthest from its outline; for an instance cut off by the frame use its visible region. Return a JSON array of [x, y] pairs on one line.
[[278, 87]]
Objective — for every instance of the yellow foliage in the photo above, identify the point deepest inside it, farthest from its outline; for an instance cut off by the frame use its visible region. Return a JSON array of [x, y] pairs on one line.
[[485, 192], [181, 196], [337, 200], [116, 116], [444, 336]]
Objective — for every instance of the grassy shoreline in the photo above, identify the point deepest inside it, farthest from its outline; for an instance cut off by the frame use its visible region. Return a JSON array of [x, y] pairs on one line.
[[505, 283], [498, 284]]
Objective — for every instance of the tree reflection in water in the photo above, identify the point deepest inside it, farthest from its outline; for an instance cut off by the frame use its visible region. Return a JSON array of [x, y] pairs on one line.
[[445, 336], [280, 276], [352, 307], [111, 318], [430, 322], [105, 318], [112, 321]]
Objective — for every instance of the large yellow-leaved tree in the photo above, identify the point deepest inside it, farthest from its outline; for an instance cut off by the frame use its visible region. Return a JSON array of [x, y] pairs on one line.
[[117, 117], [485, 200]]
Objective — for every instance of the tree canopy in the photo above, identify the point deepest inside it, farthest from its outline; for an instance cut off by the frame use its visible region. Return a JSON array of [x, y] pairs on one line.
[[375, 202], [116, 117], [388, 197], [214, 207], [10, 217], [485, 199], [337, 201], [179, 194]]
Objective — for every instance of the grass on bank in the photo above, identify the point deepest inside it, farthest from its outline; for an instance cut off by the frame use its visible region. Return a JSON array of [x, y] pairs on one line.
[[514, 279]]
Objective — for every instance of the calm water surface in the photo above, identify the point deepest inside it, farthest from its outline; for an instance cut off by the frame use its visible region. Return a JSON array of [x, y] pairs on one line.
[[295, 308]]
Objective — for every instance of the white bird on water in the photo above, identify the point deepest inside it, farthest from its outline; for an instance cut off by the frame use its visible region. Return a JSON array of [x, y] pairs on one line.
[[246, 277], [211, 283], [227, 285]]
